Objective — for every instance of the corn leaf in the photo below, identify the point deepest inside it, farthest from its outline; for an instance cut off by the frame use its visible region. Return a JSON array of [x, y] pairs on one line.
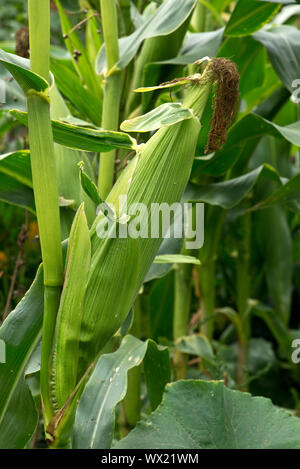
[[21, 333], [19, 68], [238, 137], [282, 46], [289, 194], [94, 423], [85, 138], [250, 16], [15, 193], [229, 193], [70, 311], [167, 18], [82, 65], [70, 85], [89, 187], [176, 259], [164, 115], [17, 166], [196, 46]]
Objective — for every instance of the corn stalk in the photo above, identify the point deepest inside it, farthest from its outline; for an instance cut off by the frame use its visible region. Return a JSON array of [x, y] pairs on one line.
[[45, 185], [112, 92]]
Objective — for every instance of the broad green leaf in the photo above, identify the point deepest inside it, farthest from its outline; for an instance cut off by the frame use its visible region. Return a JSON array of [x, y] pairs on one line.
[[176, 259], [239, 136], [17, 166], [208, 415], [250, 16], [162, 116], [85, 138], [282, 46], [71, 309], [15, 193], [21, 333], [167, 18], [229, 193], [94, 423], [19, 68]]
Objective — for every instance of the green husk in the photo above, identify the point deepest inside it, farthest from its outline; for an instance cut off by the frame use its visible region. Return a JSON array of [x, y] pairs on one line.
[[119, 265]]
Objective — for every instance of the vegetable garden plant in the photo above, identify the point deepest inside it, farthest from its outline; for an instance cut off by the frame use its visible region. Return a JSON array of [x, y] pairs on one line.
[[142, 341]]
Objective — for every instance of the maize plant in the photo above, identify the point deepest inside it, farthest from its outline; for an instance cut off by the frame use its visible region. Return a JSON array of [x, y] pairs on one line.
[[150, 164]]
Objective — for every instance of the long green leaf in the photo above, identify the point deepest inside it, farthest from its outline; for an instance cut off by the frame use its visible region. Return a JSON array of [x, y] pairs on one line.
[[239, 136], [162, 116], [15, 193], [85, 138], [249, 16], [282, 45], [229, 193], [94, 424], [21, 333], [19, 68], [71, 309]]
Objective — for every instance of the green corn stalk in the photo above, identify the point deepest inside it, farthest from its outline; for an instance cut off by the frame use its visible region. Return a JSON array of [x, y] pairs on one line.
[[112, 92], [45, 185], [182, 304]]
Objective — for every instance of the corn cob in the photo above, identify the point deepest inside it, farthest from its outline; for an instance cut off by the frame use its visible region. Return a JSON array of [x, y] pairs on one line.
[[163, 169]]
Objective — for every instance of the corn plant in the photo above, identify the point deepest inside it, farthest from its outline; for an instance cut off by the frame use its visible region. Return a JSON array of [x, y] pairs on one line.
[[129, 336]]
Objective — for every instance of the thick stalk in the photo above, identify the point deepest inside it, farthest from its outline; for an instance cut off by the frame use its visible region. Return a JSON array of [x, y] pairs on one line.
[[243, 293], [182, 303], [44, 184], [112, 92]]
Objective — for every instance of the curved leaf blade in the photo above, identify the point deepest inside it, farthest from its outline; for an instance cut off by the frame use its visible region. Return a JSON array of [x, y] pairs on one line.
[[94, 423], [21, 333], [250, 16], [163, 116], [79, 137], [19, 68]]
